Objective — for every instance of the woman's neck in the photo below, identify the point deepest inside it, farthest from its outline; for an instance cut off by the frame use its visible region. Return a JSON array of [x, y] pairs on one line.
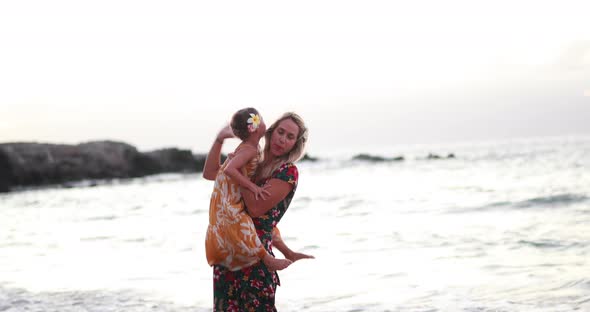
[[268, 156]]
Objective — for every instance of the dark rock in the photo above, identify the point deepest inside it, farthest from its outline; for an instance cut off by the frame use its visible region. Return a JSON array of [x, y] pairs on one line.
[[368, 157], [435, 156], [6, 176], [173, 160], [306, 157], [371, 158], [31, 164]]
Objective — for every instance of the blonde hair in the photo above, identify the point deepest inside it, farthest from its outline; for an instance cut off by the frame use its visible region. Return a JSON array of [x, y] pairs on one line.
[[268, 165]]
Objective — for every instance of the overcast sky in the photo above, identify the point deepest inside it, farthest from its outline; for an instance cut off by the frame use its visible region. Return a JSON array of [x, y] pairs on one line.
[[362, 73]]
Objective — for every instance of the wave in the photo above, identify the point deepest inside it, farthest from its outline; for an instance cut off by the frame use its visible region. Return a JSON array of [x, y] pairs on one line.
[[581, 283], [20, 300], [553, 200], [95, 238], [552, 244], [102, 218], [559, 200]]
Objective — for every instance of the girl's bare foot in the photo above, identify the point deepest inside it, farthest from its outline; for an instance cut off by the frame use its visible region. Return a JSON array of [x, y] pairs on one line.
[[274, 264]]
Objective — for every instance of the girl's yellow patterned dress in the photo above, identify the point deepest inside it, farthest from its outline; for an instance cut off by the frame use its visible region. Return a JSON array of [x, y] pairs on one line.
[[231, 239]]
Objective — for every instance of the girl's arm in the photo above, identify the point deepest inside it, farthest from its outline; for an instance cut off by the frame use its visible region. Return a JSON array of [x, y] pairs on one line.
[[257, 207], [241, 158], [212, 163]]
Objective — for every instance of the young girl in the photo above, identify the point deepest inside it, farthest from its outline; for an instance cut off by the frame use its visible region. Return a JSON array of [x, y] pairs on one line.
[[231, 238]]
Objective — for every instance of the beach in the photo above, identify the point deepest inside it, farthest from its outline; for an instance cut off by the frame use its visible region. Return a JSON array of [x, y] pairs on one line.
[[501, 226]]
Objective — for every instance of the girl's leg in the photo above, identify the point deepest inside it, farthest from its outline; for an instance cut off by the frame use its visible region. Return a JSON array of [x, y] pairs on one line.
[[274, 264]]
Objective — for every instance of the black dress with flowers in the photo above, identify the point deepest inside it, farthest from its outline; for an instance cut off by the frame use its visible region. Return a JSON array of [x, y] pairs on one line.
[[253, 288]]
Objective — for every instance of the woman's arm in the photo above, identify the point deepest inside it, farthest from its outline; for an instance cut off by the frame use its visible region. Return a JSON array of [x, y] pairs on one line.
[[278, 190], [212, 163]]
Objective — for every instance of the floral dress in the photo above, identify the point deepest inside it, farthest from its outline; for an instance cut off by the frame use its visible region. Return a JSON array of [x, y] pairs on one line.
[[231, 238], [253, 288]]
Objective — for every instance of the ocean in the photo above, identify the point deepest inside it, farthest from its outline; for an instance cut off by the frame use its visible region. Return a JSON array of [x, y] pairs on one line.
[[502, 226]]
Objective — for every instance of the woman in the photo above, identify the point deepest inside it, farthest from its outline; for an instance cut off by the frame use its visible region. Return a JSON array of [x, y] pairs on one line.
[[254, 287]]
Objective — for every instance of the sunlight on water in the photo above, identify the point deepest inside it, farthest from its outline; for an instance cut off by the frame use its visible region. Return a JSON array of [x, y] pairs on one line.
[[500, 228]]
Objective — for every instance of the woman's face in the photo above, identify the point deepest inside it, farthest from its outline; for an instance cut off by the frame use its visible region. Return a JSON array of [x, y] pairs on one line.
[[283, 137]]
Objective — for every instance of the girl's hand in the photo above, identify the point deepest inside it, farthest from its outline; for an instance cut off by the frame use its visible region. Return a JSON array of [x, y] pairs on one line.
[[225, 133], [260, 192]]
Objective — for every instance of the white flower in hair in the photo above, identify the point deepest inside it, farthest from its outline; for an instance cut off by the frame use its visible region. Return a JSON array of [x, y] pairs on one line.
[[253, 122]]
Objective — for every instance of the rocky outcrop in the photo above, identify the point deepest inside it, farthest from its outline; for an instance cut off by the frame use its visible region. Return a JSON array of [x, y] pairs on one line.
[[31, 164], [6, 178], [372, 158], [306, 157], [435, 156], [169, 160]]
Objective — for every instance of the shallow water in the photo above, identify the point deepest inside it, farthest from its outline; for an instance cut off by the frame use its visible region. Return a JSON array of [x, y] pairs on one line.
[[502, 227]]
